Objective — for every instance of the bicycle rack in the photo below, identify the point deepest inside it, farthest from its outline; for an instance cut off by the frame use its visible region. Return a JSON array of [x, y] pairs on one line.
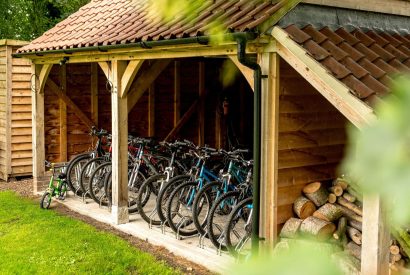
[[178, 237], [76, 192], [202, 240], [153, 212], [163, 227], [84, 197]]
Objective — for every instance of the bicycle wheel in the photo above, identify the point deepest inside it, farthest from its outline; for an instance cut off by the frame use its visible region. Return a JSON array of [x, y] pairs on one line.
[[45, 200], [96, 183], [217, 218], [87, 171], [179, 209], [203, 203], [133, 190], [239, 229], [74, 172], [147, 199], [165, 192], [107, 187]]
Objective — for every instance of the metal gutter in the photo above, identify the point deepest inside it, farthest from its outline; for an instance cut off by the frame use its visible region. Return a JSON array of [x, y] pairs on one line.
[[204, 40]]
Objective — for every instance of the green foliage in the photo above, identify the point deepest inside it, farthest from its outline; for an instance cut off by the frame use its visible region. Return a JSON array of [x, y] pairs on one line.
[[378, 157], [307, 258], [28, 19], [39, 241]]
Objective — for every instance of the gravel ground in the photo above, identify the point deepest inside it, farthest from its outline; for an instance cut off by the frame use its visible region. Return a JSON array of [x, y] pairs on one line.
[[24, 188]]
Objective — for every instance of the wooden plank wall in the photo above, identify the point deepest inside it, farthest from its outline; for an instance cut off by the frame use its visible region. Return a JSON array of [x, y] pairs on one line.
[[3, 111], [79, 90], [21, 146], [312, 138]]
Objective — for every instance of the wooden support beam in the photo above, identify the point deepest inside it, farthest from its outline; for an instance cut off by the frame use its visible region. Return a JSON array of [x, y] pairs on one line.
[[63, 114], [177, 91], [184, 119], [42, 76], [201, 107], [247, 72], [119, 146], [331, 88], [269, 63], [38, 143], [151, 111], [70, 104], [106, 68], [94, 93], [375, 238], [129, 75], [145, 80]]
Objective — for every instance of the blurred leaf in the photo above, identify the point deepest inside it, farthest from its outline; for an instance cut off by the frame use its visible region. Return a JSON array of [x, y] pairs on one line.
[[378, 157], [305, 258], [229, 73]]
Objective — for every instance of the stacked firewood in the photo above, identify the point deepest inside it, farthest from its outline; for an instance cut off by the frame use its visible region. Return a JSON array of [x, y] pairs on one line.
[[333, 213]]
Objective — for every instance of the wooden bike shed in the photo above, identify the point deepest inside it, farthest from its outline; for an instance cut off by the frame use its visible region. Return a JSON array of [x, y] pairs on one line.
[[280, 46]]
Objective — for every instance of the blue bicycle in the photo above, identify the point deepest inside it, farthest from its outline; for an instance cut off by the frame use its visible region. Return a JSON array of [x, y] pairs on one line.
[[180, 202]]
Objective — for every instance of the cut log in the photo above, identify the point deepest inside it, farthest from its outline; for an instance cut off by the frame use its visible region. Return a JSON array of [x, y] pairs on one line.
[[316, 192], [347, 264], [354, 235], [349, 197], [331, 198], [356, 209], [394, 258], [337, 190], [318, 228], [341, 228], [341, 182], [303, 207], [355, 224], [354, 250], [394, 249], [402, 238], [354, 193], [328, 212], [350, 214], [291, 228]]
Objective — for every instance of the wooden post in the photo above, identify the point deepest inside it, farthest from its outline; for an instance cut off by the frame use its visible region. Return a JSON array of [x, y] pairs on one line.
[[94, 93], [177, 92], [269, 147], [119, 145], [40, 73], [201, 110], [375, 237], [9, 90], [63, 114], [151, 110]]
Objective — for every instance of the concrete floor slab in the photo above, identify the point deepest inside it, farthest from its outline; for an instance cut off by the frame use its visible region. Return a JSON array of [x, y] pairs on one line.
[[187, 248]]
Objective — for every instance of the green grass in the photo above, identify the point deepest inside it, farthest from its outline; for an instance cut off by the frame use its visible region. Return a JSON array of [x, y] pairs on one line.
[[33, 240]]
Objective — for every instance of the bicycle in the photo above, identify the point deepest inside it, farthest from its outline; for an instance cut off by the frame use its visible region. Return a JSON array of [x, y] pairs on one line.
[[59, 190]]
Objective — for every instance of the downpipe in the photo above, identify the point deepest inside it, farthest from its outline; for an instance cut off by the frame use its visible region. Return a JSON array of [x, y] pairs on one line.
[[242, 41]]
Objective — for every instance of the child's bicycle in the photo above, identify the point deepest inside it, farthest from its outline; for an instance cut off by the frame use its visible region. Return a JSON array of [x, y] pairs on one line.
[[60, 190]]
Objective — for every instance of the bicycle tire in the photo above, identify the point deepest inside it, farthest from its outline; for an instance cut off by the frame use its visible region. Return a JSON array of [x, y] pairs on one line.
[[72, 166], [197, 209], [46, 197], [144, 195], [232, 221], [171, 214], [87, 171], [210, 226], [165, 192], [98, 184]]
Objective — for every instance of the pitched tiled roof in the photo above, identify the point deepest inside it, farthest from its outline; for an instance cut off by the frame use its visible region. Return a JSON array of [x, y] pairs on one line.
[[364, 61], [107, 22]]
